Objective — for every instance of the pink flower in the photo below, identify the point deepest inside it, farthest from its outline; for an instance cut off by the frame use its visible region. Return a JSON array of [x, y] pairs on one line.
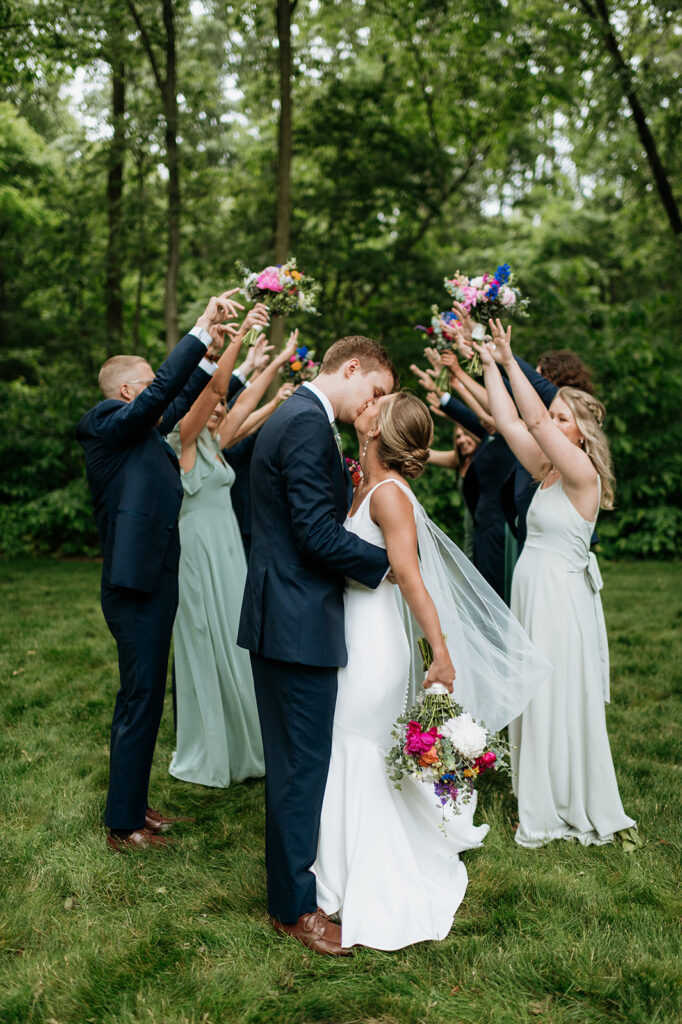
[[489, 757], [418, 742], [507, 297], [268, 279], [470, 296]]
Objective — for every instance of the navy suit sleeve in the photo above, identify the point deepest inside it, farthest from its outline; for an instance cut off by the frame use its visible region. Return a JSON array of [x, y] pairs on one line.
[[307, 454], [185, 400], [545, 389], [457, 410], [234, 387], [124, 423]]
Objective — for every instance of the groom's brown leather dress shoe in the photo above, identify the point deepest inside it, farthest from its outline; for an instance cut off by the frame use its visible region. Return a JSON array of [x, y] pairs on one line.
[[138, 839], [316, 932], [158, 822]]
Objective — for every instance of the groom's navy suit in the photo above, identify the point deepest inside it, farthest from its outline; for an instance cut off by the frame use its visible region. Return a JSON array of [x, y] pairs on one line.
[[136, 491], [292, 622]]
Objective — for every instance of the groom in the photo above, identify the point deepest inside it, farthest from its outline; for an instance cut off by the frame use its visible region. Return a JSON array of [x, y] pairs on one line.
[[292, 614]]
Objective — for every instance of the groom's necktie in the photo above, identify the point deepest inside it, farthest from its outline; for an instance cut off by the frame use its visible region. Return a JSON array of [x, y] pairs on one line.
[[337, 438]]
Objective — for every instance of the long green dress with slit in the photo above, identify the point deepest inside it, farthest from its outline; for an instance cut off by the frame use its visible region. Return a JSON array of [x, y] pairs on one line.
[[218, 734]]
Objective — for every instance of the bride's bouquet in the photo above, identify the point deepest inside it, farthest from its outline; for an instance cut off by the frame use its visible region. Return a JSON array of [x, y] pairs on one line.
[[487, 297], [438, 742]]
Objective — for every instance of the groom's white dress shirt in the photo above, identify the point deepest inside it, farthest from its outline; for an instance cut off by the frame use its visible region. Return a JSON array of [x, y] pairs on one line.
[[322, 397]]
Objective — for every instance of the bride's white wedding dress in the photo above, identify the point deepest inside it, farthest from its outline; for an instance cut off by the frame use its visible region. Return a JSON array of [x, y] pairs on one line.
[[383, 862]]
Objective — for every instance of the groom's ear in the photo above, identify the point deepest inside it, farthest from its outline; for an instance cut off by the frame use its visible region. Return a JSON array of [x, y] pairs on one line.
[[352, 366]]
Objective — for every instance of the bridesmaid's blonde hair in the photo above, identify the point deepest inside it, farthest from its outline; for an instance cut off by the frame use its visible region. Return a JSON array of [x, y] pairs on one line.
[[406, 434], [589, 416]]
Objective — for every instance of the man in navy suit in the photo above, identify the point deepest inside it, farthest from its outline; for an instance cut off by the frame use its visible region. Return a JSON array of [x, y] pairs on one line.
[[292, 614], [134, 481]]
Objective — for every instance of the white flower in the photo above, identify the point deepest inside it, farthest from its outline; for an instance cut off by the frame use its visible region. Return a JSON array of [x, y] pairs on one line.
[[467, 737], [476, 282]]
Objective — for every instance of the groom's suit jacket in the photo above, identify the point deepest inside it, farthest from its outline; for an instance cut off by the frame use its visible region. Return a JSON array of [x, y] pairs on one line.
[[300, 552], [133, 473]]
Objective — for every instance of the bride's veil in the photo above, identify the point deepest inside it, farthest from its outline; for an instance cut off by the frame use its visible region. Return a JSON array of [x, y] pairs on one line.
[[498, 668]]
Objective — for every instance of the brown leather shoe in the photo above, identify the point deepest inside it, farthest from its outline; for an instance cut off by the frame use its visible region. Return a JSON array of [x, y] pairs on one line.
[[316, 932], [138, 839], [158, 822]]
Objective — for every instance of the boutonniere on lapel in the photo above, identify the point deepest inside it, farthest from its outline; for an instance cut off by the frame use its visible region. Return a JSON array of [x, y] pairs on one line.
[[354, 470]]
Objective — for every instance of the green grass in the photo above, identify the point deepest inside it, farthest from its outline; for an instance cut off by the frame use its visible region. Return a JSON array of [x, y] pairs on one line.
[[564, 934]]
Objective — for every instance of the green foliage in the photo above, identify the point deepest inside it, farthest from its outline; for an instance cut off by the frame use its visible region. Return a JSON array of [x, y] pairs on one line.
[[429, 136], [566, 935]]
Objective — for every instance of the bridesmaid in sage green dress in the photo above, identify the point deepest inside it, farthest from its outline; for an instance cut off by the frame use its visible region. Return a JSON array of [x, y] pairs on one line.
[[218, 733], [564, 776]]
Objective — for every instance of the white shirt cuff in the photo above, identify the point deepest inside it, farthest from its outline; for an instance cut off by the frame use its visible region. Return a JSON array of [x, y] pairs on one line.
[[385, 574], [445, 398], [240, 376], [201, 334], [207, 366]]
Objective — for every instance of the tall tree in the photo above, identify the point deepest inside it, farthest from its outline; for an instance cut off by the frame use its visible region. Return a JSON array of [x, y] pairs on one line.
[[115, 172], [165, 76], [599, 19]]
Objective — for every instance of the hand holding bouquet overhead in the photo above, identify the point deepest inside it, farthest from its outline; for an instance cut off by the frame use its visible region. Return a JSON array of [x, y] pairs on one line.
[[476, 300]]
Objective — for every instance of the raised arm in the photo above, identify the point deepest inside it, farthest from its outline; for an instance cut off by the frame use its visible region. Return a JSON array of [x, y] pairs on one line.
[[250, 397], [257, 418], [392, 511], [506, 417], [569, 459], [446, 460], [196, 419]]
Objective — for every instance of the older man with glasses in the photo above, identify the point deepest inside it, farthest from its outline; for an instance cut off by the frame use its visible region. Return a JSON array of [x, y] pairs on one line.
[[135, 485]]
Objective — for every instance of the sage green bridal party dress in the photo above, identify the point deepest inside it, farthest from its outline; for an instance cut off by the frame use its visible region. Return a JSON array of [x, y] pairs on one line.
[[218, 734]]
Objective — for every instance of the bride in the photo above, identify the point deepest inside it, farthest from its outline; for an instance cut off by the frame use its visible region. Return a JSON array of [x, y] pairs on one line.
[[387, 863]]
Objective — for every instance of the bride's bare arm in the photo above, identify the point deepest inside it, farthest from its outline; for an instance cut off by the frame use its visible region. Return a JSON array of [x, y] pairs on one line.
[[391, 509]]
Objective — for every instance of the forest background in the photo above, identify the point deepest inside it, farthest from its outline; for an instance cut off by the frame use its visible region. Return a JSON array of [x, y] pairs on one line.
[[146, 145]]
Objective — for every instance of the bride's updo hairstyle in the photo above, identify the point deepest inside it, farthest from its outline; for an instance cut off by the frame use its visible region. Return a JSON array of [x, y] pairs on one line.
[[406, 434], [589, 416]]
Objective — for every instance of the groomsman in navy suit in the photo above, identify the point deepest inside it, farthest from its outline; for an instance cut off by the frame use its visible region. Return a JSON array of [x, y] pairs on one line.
[[292, 614], [136, 491]]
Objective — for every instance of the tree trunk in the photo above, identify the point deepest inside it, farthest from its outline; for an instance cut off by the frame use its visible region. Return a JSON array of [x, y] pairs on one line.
[[601, 17], [114, 256], [173, 165], [285, 10]]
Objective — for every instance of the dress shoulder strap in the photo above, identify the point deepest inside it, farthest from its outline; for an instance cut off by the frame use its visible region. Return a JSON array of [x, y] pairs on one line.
[[390, 480]]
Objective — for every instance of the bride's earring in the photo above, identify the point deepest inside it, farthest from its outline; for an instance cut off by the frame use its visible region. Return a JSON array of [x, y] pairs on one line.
[[364, 448]]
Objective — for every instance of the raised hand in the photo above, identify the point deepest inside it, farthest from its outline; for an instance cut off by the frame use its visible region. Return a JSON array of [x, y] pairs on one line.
[[284, 391], [424, 379], [433, 402], [434, 357], [500, 347], [219, 334], [460, 335], [289, 349], [256, 317], [219, 308], [257, 357]]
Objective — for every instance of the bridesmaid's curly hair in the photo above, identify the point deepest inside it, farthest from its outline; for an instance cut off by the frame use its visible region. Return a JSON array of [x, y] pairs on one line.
[[406, 434]]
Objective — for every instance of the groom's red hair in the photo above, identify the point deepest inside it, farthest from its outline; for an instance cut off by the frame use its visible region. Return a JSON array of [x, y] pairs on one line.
[[370, 354]]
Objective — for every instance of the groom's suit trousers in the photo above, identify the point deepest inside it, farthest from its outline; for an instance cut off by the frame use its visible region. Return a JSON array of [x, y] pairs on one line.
[[296, 710]]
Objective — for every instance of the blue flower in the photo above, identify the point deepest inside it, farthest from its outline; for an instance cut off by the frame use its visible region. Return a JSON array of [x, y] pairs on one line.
[[302, 351], [502, 274], [493, 290]]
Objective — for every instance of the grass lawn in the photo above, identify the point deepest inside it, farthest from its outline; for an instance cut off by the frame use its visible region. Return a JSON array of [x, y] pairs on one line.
[[563, 934]]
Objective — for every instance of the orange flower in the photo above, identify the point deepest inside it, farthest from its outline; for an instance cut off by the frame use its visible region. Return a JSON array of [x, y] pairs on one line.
[[297, 365], [429, 757], [296, 276]]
